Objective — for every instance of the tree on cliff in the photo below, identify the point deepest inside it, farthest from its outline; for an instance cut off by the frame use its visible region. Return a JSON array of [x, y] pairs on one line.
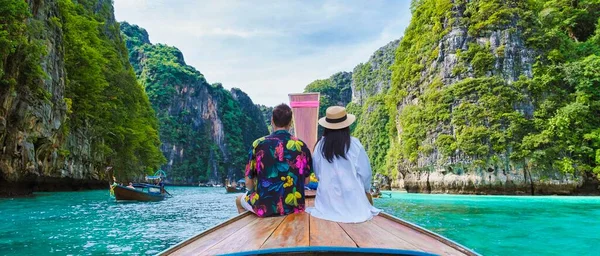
[[205, 129], [485, 88]]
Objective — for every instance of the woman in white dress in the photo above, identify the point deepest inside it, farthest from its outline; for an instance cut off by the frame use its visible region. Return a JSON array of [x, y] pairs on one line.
[[343, 170]]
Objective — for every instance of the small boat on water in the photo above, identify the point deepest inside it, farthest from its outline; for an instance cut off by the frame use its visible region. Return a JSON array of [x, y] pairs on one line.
[[301, 233], [376, 194], [231, 189], [236, 187], [140, 192]]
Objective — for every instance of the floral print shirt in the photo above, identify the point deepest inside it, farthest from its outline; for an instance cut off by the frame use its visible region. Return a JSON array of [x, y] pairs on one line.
[[280, 162]]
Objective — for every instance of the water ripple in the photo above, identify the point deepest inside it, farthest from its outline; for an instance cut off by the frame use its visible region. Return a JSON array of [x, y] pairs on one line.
[[91, 223]]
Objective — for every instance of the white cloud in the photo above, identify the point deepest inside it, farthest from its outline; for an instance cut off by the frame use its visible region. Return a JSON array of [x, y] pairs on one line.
[[272, 48]]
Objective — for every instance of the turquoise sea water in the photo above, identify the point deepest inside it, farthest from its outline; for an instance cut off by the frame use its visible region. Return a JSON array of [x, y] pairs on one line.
[[91, 223], [506, 225]]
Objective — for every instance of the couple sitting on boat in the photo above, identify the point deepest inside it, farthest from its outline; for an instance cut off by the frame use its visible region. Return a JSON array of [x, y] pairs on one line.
[[281, 164]]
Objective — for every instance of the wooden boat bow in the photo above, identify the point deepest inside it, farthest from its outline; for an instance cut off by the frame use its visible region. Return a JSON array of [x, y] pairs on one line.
[[246, 234]]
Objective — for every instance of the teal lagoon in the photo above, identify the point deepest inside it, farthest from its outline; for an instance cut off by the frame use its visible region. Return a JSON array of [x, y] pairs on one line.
[[506, 225], [92, 223]]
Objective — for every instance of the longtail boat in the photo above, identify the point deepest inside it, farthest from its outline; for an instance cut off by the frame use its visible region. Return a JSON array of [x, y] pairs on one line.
[[300, 233], [235, 186], [140, 192], [376, 194], [231, 189]]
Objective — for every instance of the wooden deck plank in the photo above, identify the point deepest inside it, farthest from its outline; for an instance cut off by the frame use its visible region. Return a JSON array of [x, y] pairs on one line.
[[247, 232], [368, 234], [292, 232], [208, 238], [328, 233], [250, 237], [414, 237]]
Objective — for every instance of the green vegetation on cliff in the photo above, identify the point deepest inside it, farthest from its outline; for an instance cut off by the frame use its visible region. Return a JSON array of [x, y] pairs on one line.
[[334, 91], [252, 125], [102, 92], [365, 86], [267, 113], [70, 95], [546, 121], [487, 85], [20, 49], [206, 130]]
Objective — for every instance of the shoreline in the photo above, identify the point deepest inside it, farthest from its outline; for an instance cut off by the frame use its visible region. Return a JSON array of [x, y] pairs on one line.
[[48, 184], [498, 195], [27, 189]]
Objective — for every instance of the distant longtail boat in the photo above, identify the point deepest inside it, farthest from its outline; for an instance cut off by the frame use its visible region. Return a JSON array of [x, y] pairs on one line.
[[139, 192]]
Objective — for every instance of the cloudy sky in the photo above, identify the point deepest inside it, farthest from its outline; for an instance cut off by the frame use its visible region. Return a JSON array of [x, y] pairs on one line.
[[269, 48]]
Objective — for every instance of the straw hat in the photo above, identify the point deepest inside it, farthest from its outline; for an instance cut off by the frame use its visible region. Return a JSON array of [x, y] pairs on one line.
[[336, 118]]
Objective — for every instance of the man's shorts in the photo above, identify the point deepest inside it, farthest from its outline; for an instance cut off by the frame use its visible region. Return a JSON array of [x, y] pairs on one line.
[[245, 204]]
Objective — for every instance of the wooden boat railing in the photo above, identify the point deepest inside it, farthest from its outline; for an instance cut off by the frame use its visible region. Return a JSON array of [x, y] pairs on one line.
[[329, 250], [411, 235], [204, 233], [429, 233]]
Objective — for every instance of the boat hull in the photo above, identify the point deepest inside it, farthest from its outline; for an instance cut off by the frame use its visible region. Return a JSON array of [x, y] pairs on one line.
[[302, 234], [235, 190], [123, 193]]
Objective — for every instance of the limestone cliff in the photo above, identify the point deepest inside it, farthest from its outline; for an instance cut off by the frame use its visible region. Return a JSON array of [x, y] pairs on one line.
[[334, 91], [48, 140], [205, 130], [374, 76], [485, 97], [470, 116], [368, 84]]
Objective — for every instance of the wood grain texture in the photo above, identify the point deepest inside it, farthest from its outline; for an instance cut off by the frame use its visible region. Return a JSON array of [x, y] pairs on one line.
[[328, 233], [204, 242], [368, 234], [247, 232], [292, 232], [250, 237], [415, 238], [430, 234]]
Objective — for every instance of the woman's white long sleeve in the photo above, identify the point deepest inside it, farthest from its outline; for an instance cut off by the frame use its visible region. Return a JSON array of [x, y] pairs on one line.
[[342, 185], [363, 167]]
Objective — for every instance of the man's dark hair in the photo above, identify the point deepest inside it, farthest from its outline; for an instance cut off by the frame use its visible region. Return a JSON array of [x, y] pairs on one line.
[[282, 115]]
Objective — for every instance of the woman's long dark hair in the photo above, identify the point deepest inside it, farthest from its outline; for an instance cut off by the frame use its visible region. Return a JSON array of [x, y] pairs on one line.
[[335, 143]]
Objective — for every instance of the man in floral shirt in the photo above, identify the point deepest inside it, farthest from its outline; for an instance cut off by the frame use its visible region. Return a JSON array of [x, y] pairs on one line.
[[279, 166]]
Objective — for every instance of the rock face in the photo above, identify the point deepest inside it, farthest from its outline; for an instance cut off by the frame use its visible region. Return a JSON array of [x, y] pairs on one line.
[[205, 130], [368, 84], [465, 115], [267, 113], [252, 128], [41, 148], [30, 126], [334, 91], [475, 100], [375, 76]]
